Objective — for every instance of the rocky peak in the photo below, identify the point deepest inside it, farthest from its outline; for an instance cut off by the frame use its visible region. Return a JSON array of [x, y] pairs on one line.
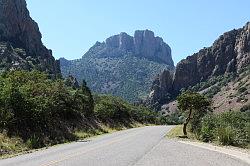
[[152, 47], [122, 41], [18, 29], [142, 44]]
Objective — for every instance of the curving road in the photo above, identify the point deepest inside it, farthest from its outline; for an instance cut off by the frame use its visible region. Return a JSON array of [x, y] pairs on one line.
[[134, 147]]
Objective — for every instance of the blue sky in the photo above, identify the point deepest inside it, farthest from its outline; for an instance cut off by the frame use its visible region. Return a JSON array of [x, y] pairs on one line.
[[70, 28]]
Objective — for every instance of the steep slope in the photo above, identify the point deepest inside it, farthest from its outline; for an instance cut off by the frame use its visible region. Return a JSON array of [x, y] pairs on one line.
[[229, 54], [20, 40], [123, 65]]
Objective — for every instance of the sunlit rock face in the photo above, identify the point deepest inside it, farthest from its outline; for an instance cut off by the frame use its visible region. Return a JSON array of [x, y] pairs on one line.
[[229, 53], [20, 40], [143, 44]]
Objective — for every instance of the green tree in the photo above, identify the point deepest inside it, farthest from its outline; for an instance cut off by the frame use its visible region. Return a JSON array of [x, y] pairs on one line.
[[192, 103], [90, 100]]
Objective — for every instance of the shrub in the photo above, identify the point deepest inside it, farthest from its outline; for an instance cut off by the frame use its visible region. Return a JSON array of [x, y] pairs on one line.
[[208, 126], [213, 91], [229, 128], [114, 109], [33, 104], [195, 106], [44, 111], [242, 89], [226, 135], [174, 119]]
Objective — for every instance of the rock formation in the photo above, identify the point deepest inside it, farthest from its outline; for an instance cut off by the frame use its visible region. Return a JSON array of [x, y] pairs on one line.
[[162, 84], [229, 53], [72, 82], [143, 44], [123, 65], [20, 40]]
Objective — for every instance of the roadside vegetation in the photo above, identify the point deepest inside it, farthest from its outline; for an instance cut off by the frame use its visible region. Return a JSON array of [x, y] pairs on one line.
[[226, 128], [36, 111]]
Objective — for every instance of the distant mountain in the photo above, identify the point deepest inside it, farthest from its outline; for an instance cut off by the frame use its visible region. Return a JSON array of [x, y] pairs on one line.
[[210, 71], [123, 65], [20, 40]]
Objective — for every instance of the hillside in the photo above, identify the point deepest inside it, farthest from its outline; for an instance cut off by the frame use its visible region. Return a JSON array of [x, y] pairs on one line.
[[37, 111], [123, 65], [20, 41], [215, 71]]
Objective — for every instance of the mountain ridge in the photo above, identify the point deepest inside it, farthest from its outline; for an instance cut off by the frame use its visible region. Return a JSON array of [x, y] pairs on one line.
[[144, 43], [230, 53], [122, 65]]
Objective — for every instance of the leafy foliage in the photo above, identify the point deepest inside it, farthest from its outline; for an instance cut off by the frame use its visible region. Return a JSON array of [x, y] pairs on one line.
[[196, 106], [34, 106], [229, 128], [42, 111], [114, 109]]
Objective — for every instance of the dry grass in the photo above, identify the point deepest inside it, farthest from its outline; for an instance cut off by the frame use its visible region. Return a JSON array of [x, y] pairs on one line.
[[9, 146], [176, 132], [14, 146]]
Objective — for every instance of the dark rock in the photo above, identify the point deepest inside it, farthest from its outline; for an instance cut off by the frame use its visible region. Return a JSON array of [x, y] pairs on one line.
[[21, 32], [72, 82], [162, 84]]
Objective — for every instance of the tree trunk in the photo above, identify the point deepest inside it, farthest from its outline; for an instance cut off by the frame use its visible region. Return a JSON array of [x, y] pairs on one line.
[[185, 129], [186, 123]]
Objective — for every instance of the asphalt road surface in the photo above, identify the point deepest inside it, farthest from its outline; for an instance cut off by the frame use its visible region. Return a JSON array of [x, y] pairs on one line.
[[145, 146]]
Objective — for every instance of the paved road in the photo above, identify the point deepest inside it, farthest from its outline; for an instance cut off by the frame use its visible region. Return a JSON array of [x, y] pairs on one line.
[[135, 147]]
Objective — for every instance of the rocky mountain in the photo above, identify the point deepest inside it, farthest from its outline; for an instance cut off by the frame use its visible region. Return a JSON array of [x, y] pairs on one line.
[[230, 53], [20, 40], [123, 65]]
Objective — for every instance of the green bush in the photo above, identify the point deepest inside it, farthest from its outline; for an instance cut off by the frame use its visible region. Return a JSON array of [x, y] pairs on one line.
[[174, 119], [114, 109], [43, 111], [229, 128], [242, 89], [226, 135], [208, 126], [212, 91], [33, 104]]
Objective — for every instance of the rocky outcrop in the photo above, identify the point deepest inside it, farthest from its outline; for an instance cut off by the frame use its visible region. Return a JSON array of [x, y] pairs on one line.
[[143, 44], [242, 47], [19, 32], [229, 53], [72, 82], [149, 46], [162, 84]]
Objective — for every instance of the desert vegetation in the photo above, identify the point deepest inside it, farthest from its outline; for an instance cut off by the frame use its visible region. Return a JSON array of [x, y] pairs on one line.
[[36, 111], [226, 128]]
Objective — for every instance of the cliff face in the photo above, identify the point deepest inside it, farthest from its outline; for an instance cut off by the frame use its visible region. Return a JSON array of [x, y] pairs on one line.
[[19, 32], [144, 44], [160, 91], [229, 53]]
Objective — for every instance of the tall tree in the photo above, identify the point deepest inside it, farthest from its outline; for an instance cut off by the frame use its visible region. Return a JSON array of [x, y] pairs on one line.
[[192, 103]]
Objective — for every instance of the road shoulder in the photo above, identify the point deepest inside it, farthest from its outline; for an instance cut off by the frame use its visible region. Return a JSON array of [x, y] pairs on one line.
[[238, 153]]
